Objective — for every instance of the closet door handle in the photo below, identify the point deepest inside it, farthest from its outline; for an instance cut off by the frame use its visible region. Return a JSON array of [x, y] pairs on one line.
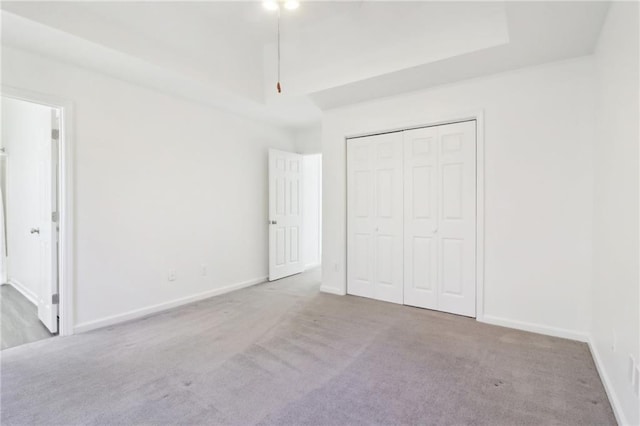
[[34, 231]]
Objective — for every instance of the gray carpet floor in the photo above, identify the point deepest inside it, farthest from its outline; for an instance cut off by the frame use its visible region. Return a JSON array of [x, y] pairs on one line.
[[284, 354], [19, 323]]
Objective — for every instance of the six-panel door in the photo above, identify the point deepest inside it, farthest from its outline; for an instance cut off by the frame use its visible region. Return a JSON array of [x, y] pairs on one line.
[[285, 214], [374, 242], [421, 217], [437, 207]]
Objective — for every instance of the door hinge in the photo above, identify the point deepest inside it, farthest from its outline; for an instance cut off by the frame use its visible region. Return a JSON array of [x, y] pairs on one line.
[[55, 216], [55, 134], [55, 299]]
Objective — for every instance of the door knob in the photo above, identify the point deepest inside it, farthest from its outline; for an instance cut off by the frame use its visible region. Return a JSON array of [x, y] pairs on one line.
[[274, 222], [35, 230]]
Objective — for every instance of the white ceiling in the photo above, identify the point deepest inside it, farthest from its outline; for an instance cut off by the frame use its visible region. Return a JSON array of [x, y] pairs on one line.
[[376, 38], [333, 53]]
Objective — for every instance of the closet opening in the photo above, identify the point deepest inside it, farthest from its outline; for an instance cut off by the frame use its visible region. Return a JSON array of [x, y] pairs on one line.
[[413, 228]]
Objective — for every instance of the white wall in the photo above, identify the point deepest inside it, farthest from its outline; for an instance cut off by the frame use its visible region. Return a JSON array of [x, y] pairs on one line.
[[3, 218], [538, 187], [615, 323], [312, 210], [309, 139], [25, 126], [161, 183]]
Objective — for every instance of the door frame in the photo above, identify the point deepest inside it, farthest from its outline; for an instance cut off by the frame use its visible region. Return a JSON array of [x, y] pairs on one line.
[[478, 116], [65, 199]]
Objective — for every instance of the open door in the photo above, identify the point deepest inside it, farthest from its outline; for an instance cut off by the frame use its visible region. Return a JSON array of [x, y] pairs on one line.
[[47, 231], [285, 214]]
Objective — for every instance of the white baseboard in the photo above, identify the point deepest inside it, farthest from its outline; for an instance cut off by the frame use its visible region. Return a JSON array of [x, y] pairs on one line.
[[331, 290], [142, 312], [608, 387], [535, 328], [33, 298]]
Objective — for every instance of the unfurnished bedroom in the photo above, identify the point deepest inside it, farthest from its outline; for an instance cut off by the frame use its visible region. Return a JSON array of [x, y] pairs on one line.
[[320, 213]]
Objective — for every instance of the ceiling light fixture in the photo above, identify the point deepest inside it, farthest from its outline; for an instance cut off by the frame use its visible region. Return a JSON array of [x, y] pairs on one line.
[[271, 5], [274, 5]]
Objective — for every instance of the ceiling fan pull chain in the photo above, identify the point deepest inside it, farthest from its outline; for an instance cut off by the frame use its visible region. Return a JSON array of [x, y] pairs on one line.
[[278, 87]]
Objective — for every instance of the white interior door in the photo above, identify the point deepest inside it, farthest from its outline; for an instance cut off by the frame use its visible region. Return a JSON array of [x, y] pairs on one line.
[[440, 210], [374, 219], [285, 214], [47, 230], [457, 218], [421, 217]]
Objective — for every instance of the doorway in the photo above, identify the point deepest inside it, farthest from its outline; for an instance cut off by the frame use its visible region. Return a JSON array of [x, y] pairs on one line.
[[30, 225]]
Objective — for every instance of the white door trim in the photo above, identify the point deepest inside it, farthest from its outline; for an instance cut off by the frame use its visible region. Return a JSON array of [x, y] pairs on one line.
[[66, 202], [478, 116]]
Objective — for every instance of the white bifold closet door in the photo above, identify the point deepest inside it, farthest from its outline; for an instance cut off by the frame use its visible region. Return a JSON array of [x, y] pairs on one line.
[[411, 214], [374, 241], [440, 218]]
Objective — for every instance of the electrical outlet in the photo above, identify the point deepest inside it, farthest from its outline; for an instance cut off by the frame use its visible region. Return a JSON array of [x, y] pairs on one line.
[[203, 270], [336, 267], [631, 367], [171, 276]]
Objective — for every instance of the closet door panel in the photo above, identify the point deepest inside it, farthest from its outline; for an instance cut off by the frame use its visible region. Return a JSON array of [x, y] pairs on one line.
[[457, 218], [389, 217], [360, 217], [374, 217], [420, 217]]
